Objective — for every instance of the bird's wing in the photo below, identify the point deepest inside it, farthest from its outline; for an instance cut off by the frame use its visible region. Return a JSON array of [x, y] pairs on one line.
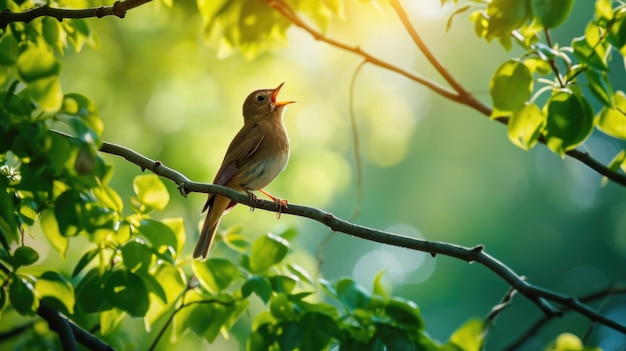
[[240, 149]]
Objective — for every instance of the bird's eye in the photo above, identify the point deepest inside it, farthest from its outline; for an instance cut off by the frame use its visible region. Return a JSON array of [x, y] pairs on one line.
[[260, 98]]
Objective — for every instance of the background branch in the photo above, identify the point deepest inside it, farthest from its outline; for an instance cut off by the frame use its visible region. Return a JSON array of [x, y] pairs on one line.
[[118, 9], [538, 295], [459, 95]]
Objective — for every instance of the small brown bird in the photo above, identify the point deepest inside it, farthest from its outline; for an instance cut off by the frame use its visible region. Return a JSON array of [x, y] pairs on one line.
[[257, 154]]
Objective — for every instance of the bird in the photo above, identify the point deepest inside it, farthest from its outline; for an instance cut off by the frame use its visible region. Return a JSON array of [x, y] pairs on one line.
[[255, 156]]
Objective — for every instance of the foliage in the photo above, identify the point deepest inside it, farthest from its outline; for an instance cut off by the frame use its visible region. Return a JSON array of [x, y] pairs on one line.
[[135, 265]]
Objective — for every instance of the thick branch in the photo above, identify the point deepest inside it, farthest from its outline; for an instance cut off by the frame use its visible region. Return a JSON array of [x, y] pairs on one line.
[[118, 9], [476, 254], [459, 95]]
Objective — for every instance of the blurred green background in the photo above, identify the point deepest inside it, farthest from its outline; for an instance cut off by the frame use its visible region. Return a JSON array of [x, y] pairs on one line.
[[431, 169]]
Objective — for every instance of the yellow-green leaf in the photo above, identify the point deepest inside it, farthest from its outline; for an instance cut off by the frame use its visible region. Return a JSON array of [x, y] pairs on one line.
[[469, 336], [53, 285], [37, 63], [50, 228], [525, 126], [612, 121], [511, 86], [151, 191]]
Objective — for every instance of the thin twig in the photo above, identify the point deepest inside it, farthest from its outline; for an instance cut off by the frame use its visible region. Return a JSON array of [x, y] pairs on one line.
[[355, 141], [540, 296], [545, 319], [118, 9]]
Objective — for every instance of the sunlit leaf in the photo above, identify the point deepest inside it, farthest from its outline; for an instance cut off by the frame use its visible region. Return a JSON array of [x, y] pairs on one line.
[[178, 228], [569, 342], [612, 121], [151, 191], [267, 250], [46, 92], [600, 86], [50, 228], [37, 63], [215, 274], [525, 126], [511, 86], [109, 198], [379, 287], [53, 285], [300, 273], [551, 13], [569, 121], [173, 282], [109, 320], [456, 12], [469, 336]]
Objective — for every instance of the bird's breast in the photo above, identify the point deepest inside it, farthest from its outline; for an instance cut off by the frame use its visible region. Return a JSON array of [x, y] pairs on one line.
[[257, 175]]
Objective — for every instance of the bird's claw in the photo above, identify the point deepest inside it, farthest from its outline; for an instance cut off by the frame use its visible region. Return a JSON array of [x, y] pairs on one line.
[[253, 201], [280, 204]]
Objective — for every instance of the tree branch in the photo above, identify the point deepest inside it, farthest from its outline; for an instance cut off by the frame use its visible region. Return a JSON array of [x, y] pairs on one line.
[[459, 95], [538, 295], [118, 9], [540, 323]]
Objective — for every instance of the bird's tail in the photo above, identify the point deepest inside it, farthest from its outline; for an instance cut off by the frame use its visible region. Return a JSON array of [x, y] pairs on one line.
[[211, 222]]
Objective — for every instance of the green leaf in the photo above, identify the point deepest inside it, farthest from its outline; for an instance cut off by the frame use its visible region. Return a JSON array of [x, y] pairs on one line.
[[282, 309], [53, 285], [68, 210], [318, 330], [612, 120], [47, 93], [619, 161], [569, 121], [379, 287], [538, 65], [51, 32], [511, 86], [282, 284], [37, 63], [215, 274], [151, 191], [617, 35], [470, 336], [236, 241], [127, 291], [153, 286], [525, 126], [24, 256], [290, 335], [8, 224], [259, 285], [84, 261], [351, 294], [109, 320], [503, 16], [22, 296], [173, 282], [300, 273], [551, 13], [137, 256], [178, 228], [109, 198], [600, 86], [267, 251], [92, 284], [589, 50], [159, 234], [456, 12], [569, 342], [404, 312], [9, 50], [50, 228]]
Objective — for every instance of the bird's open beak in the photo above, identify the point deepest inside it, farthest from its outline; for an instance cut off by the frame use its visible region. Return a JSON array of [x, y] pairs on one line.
[[275, 94]]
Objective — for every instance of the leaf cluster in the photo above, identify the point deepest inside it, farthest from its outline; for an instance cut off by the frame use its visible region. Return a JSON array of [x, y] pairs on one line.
[[549, 92]]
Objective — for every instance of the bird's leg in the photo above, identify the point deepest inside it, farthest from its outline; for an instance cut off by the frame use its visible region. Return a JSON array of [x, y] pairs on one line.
[[253, 199], [279, 202]]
